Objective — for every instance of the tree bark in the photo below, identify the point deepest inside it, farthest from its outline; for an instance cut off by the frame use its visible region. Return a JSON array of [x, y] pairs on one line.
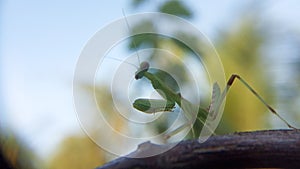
[[258, 149]]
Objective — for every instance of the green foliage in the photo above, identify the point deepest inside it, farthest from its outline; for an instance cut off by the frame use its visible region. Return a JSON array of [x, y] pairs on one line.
[[136, 3], [243, 44], [144, 41], [175, 7], [191, 39], [148, 40]]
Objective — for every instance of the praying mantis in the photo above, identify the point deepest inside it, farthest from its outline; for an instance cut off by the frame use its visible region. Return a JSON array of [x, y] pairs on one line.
[[168, 89], [172, 96]]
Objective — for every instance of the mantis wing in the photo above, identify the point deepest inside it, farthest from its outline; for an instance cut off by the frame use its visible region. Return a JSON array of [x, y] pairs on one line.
[[215, 101]]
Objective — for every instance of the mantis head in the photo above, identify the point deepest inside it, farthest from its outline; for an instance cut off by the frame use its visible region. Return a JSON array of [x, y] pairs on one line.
[[144, 66]]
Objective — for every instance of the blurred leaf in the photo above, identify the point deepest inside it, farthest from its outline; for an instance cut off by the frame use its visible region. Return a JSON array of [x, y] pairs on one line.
[[244, 44], [136, 3], [143, 40], [175, 7], [189, 39]]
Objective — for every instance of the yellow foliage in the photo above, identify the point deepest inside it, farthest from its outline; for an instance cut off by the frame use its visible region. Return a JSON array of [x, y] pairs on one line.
[[239, 52], [77, 152]]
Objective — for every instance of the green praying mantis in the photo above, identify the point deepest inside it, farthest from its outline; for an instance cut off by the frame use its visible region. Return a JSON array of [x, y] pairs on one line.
[[169, 90]]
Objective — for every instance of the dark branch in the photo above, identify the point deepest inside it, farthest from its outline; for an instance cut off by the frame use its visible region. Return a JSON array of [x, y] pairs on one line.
[[273, 148]]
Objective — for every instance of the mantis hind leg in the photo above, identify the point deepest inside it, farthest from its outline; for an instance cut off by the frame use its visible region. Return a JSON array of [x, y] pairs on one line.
[[229, 84]]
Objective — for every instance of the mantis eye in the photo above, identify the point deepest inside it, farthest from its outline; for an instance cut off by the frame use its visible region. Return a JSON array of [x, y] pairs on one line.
[[144, 66]]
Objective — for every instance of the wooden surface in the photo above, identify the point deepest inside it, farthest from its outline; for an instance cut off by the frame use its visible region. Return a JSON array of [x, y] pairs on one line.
[[271, 148]]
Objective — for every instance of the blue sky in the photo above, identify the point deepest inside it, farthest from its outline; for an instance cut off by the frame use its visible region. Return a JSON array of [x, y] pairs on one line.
[[40, 44]]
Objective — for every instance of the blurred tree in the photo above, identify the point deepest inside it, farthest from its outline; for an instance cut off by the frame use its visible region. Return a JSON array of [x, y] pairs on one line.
[[80, 152], [105, 103], [77, 152], [240, 50], [17, 153]]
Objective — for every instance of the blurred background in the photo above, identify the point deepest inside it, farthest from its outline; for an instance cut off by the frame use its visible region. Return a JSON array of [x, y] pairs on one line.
[[40, 43]]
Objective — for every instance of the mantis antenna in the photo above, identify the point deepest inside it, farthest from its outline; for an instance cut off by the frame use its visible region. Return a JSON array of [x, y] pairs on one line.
[[124, 61], [134, 44]]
